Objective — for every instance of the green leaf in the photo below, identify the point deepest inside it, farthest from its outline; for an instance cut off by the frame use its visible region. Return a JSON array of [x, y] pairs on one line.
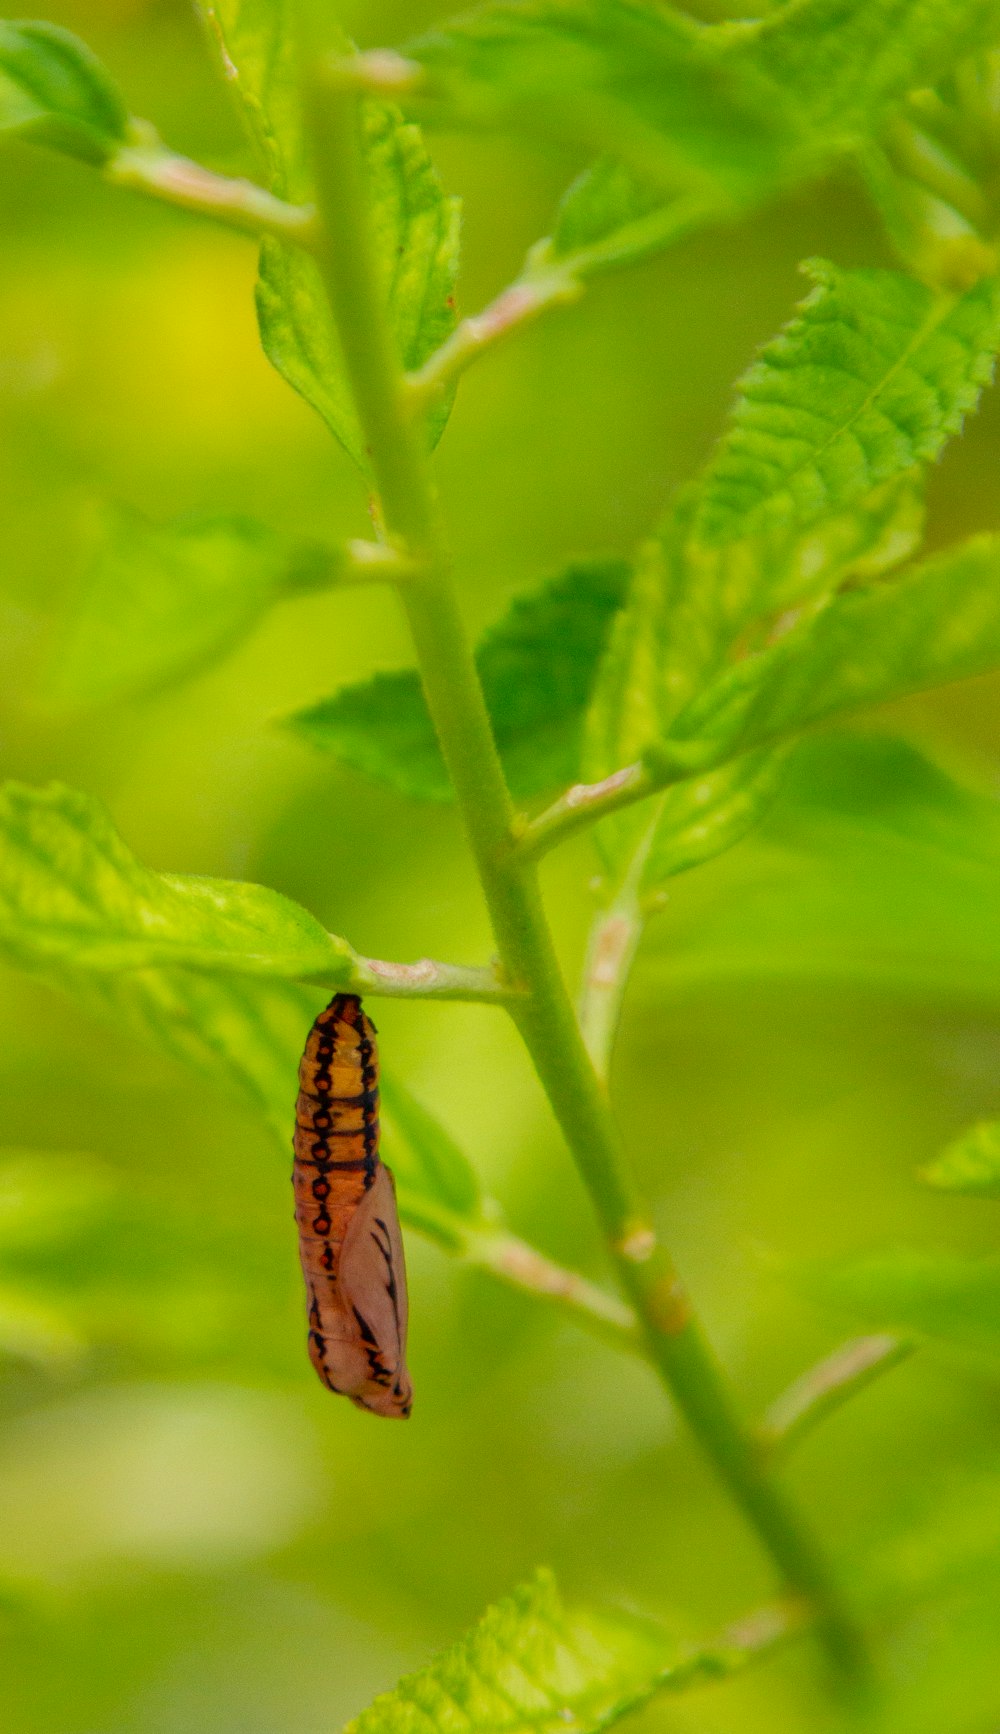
[[704, 816], [872, 868], [161, 601], [641, 80], [537, 667], [818, 475], [415, 226], [729, 113], [946, 1299], [817, 480], [694, 820], [609, 218], [71, 893], [938, 623], [970, 1163], [530, 1664], [869, 379], [56, 92]]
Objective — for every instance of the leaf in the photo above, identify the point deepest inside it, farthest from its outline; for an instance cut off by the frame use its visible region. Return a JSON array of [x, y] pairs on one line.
[[970, 1163], [948, 1300], [70, 893], [870, 378], [694, 820], [639, 79], [938, 623], [729, 113], [818, 474], [56, 92], [530, 1664], [415, 226], [161, 601], [817, 480], [609, 217], [537, 666], [872, 867], [704, 816]]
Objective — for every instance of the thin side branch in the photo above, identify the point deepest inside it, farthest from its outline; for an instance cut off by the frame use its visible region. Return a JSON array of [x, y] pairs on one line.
[[522, 1265], [824, 1388], [533, 293], [148, 167], [581, 806], [428, 979], [611, 951], [548, 279]]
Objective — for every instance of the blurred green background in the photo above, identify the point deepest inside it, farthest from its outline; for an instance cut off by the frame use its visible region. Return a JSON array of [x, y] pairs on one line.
[[195, 1535]]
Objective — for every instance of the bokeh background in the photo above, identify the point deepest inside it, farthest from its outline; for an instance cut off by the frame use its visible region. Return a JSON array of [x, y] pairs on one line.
[[195, 1535]]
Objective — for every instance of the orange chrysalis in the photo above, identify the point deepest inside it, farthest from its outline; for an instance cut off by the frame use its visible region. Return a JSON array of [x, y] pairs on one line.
[[345, 1206]]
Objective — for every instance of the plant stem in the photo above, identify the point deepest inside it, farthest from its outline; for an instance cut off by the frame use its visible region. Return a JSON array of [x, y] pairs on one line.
[[611, 949], [823, 1388], [517, 305], [581, 806], [429, 979], [544, 1015], [148, 167]]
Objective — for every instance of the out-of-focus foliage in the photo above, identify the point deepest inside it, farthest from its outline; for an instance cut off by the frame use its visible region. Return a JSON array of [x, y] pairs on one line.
[[970, 1163], [193, 1535]]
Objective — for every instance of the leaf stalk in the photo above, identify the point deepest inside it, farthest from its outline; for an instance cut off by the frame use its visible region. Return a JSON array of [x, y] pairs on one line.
[[147, 166]]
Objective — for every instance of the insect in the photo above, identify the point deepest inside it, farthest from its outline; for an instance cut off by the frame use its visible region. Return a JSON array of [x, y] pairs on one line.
[[345, 1206]]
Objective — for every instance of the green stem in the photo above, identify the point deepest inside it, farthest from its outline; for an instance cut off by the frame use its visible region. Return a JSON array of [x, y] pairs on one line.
[[825, 1387], [544, 1015], [611, 950], [428, 979], [147, 166], [581, 806], [521, 302]]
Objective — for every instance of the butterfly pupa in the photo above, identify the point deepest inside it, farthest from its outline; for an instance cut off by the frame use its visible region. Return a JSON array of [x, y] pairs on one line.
[[350, 1242]]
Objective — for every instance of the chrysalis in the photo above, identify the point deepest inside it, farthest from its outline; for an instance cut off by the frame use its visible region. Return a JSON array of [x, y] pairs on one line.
[[345, 1206]]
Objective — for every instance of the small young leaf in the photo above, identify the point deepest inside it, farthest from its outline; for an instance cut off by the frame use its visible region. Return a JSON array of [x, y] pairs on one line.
[[938, 623], [705, 816], [70, 893], [949, 1300], [537, 667], [55, 91], [530, 1664], [609, 217], [415, 226], [970, 1164], [161, 601]]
